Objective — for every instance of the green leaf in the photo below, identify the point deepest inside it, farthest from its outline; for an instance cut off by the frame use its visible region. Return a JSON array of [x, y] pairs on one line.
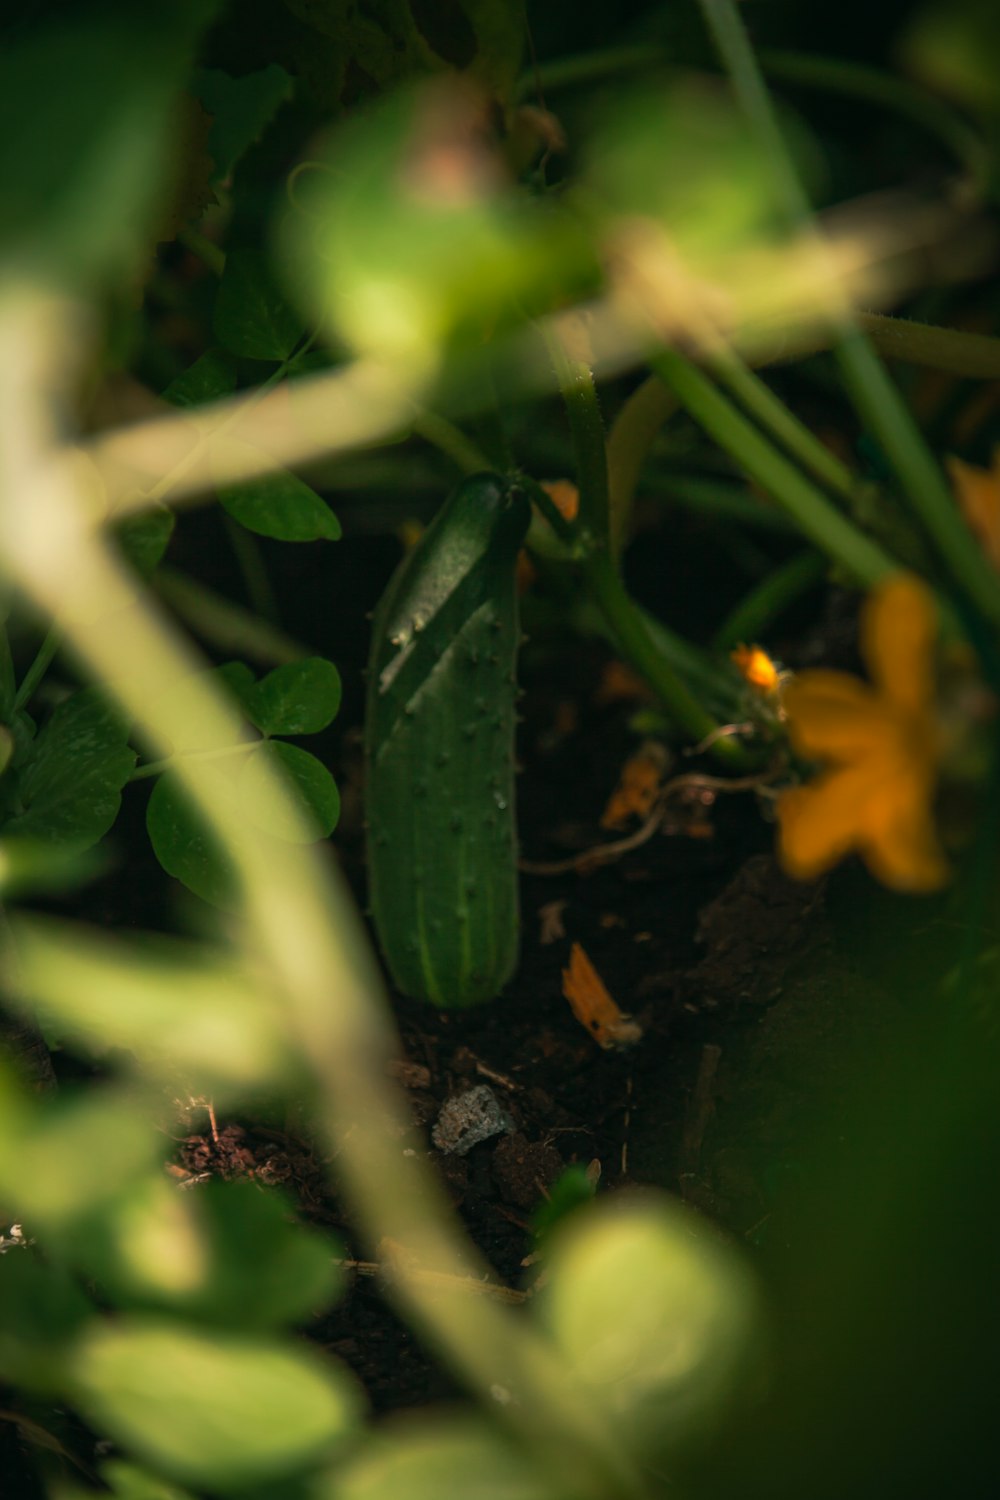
[[64, 1159], [70, 783], [212, 376], [179, 1007], [86, 110], [723, 202], [313, 792], [41, 1310], [231, 1255], [571, 1190], [143, 538], [241, 110], [282, 506], [434, 1458], [251, 316], [401, 255], [300, 698], [28, 868], [185, 847], [127, 1481], [655, 1312], [211, 1410]]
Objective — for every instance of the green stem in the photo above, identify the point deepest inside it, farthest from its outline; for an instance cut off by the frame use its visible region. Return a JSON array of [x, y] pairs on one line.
[[749, 620], [43, 660], [834, 74], [844, 76], [600, 571], [636, 645], [875, 397], [564, 530], [630, 438], [716, 497], [227, 626], [973, 356], [774, 416], [450, 440], [585, 67], [576, 385], [157, 767], [809, 507], [246, 550], [208, 252]]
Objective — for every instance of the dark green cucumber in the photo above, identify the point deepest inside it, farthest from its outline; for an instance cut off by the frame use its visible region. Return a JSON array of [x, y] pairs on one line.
[[439, 747]]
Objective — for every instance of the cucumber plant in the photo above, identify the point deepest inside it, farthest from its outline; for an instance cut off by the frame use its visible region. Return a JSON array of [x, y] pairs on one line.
[[440, 752]]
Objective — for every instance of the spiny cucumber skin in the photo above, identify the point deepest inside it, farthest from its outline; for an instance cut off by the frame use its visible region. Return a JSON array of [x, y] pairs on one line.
[[440, 753]]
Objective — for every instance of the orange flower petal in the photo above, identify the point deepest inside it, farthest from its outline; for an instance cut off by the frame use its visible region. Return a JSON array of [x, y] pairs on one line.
[[978, 495], [821, 822], [900, 846], [897, 635], [834, 716]]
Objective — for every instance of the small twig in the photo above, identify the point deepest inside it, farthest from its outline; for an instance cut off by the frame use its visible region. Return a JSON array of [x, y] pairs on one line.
[[600, 854]]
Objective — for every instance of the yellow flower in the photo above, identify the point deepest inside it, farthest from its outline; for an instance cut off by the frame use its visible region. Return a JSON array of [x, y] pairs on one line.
[[978, 494], [881, 749]]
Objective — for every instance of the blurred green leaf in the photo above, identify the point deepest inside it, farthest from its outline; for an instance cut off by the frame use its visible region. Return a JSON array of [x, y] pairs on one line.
[[212, 375], [239, 680], [241, 110], [63, 1159], [313, 792], [127, 1481], [413, 235], [301, 697], [954, 46], [188, 850], [28, 867], [70, 783], [86, 108], [211, 1410], [41, 1310], [435, 1458], [655, 1312], [680, 155], [251, 316], [282, 506], [144, 537], [230, 1255], [571, 1189], [181, 1008]]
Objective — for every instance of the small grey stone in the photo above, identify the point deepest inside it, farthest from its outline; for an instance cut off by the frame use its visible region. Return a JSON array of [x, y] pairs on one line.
[[467, 1119]]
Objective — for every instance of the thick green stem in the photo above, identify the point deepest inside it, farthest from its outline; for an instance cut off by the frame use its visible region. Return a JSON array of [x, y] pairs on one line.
[[43, 660], [809, 507], [875, 397], [450, 440], [844, 76], [576, 384], [774, 416], [634, 642], [227, 626]]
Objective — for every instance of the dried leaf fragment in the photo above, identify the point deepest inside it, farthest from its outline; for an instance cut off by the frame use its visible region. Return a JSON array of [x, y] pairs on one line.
[[639, 786], [593, 1006]]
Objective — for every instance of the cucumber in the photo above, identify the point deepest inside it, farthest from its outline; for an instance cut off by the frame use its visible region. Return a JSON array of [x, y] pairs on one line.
[[439, 752]]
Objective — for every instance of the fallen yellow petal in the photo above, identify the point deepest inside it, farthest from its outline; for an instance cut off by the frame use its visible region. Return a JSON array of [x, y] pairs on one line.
[[593, 1006]]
